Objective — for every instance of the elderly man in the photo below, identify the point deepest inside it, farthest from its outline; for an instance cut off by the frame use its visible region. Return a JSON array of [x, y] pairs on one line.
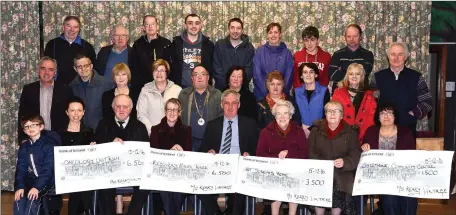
[[65, 48], [188, 50], [89, 86], [145, 51], [403, 87], [352, 53], [234, 50], [118, 129], [229, 134], [117, 52], [48, 99]]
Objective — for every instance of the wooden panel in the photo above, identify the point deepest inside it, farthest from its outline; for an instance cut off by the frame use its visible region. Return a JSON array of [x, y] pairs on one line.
[[434, 144]]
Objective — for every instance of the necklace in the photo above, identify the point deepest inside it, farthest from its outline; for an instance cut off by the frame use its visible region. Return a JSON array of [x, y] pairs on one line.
[[200, 120]]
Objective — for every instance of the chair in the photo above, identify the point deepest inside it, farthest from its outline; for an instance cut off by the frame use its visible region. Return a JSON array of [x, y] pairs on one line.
[[45, 200]]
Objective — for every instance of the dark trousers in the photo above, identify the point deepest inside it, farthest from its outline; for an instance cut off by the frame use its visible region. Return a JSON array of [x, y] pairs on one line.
[[25, 206], [78, 198], [107, 201], [359, 206], [399, 205], [170, 202], [235, 204]]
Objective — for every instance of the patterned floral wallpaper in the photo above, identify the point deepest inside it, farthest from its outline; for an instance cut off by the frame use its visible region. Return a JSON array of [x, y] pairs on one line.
[[382, 23]]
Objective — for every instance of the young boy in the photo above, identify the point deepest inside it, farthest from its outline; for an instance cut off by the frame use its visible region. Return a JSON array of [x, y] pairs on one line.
[[35, 166], [311, 53]]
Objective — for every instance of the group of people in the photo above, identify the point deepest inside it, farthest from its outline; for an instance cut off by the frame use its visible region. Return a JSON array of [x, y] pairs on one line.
[[192, 95]]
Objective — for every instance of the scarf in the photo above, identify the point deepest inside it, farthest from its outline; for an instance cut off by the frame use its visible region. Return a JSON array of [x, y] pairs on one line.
[[331, 133], [283, 133], [271, 102]]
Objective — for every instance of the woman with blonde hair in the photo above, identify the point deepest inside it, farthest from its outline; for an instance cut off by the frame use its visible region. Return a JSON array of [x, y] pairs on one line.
[[359, 102], [151, 101]]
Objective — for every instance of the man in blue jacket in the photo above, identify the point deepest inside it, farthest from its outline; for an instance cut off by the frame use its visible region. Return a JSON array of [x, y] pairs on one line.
[[234, 50], [35, 166]]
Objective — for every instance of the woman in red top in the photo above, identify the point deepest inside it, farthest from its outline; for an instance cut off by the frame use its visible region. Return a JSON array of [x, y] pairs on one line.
[[358, 102], [282, 138]]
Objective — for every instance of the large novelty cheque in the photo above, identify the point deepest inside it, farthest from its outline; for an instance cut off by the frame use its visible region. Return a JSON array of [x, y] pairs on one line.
[[411, 173], [101, 166], [189, 172], [308, 182]]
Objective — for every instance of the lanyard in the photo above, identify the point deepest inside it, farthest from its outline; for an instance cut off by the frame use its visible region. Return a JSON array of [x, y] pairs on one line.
[[190, 102]]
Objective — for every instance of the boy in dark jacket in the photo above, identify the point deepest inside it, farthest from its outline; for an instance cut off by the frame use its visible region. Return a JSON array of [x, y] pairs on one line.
[[35, 166]]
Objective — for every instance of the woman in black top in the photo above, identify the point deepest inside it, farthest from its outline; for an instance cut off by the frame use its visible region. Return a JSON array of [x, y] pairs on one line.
[[121, 76], [235, 79], [75, 135]]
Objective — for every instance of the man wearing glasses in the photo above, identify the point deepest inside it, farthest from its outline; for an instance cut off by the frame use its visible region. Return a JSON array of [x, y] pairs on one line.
[[117, 52], [65, 47], [89, 86], [145, 51]]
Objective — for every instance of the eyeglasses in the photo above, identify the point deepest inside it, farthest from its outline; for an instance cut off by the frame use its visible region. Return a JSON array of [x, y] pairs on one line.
[[172, 110], [83, 66], [389, 114], [199, 74], [119, 36], [32, 126], [150, 25], [329, 111]]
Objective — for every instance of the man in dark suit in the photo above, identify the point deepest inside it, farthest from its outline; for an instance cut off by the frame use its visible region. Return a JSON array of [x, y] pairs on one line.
[[229, 134], [118, 129], [46, 98]]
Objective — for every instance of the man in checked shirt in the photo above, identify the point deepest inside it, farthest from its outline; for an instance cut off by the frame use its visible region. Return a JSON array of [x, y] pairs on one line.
[[403, 87]]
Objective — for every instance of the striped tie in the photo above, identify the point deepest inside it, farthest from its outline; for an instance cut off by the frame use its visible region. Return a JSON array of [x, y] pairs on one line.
[[227, 143]]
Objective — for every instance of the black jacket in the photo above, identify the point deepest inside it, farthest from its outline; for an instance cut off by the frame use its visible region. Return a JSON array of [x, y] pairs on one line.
[[175, 59], [342, 58], [84, 137], [103, 57], [226, 56], [248, 135], [64, 53], [29, 104], [108, 130], [265, 113], [143, 54]]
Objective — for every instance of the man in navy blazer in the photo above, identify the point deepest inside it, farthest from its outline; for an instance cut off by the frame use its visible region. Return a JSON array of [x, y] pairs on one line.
[[46, 98], [229, 134]]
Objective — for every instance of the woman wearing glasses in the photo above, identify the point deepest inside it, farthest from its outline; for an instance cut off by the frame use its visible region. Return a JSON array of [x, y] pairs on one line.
[[169, 134], [388, 136], [151, 101], [333, 139]]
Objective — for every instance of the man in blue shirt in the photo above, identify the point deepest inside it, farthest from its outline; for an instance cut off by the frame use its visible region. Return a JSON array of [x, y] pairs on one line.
[[229, 134]]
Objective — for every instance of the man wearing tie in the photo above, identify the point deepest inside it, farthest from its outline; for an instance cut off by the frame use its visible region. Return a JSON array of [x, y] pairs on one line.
[[229, 134], [120, 128]]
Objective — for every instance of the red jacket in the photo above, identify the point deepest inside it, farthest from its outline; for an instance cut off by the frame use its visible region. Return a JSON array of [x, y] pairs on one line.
[[271, 144], [365, 116], [164, 137], [322, 59]]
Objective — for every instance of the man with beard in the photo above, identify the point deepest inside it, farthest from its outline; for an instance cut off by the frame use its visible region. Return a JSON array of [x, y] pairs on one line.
[[234, 50], [188, 50]]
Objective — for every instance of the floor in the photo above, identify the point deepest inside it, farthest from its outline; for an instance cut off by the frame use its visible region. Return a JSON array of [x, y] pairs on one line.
[[432, 207]]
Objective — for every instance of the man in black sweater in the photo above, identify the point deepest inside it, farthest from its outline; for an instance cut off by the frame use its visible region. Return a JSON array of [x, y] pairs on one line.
[[352, 53], [189, 50], [145, 51], [65, 48], [118, 129]]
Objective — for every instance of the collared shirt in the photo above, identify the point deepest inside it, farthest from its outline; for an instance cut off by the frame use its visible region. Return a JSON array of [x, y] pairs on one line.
[[234, 135], [124, 124], [46, 104]]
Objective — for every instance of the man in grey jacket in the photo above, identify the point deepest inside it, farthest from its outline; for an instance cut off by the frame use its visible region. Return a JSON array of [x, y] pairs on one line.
[[234, 50], [200, 104], [89, 86]]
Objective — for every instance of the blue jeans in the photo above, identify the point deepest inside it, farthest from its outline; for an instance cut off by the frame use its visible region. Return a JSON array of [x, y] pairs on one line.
[[25, 206], [399, 205]]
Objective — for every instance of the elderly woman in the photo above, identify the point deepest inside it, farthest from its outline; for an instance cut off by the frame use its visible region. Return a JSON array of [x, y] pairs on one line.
[[121, 76], [235, 79], [154, 94], [274, 84], [333, 139], [273, 55], [77, 134], [282, 138], [169, 134], [311, 96], [358, 102], [389, 136]]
